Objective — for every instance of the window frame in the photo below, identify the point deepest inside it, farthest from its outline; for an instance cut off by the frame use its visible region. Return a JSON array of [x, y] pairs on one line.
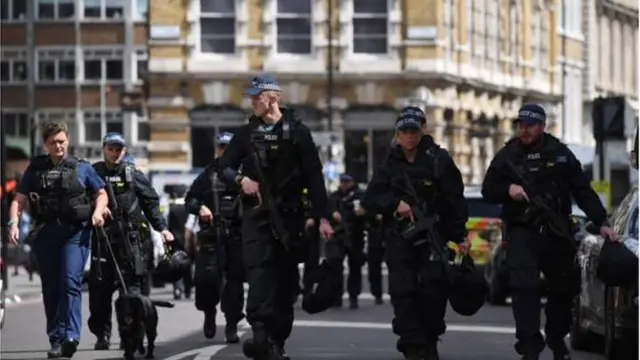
[[16, 112], [56, 10], [103, 13], [286, 16], [69, 116], [68, 55], [140, 54], [93, 116], [204, 15], [371, 16], [103, 54], [11, 56], [10, 15]]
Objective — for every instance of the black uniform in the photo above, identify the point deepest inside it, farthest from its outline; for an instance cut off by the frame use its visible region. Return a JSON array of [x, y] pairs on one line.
[[176, 220], [417, 278], [557, 175], [349, 240], [137, 198], [218, 257], [289, 162], [376, 233]]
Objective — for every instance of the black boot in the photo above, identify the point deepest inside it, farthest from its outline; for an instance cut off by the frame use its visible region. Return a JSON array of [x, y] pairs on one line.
[[258, 347], [378, 300], [209, 326], [69, 347], [102, 343], [55, 352], [431, 351], [413, 352], [231, 333], [278, 352], [560, 350]]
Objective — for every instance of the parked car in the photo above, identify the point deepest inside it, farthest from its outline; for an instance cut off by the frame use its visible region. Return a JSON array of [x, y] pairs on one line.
[[496, 272], [601, 311]]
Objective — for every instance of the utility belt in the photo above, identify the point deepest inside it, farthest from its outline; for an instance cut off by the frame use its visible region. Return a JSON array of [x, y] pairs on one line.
[[47, 209]]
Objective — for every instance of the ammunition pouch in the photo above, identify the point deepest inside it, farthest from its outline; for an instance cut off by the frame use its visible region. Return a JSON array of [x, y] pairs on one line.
[[81, 212]]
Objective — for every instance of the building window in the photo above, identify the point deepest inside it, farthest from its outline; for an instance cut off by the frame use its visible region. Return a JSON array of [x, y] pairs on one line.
[[103, 9], [142, 64], [55, 9], [104, 64], [294, 27], [218, 26], [144, 130], [449, 26], [69, 117], [56, 65], [141, 8], [370, 26], [16, 124], [96, 125], [15, 10], [13, 71]]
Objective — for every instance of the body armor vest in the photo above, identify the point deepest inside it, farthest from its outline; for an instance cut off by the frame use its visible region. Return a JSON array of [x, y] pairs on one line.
[[123, 183], [545, 168], [58, 195]]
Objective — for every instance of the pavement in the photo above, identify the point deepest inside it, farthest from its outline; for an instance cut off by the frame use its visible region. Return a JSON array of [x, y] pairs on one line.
[[363, 334]]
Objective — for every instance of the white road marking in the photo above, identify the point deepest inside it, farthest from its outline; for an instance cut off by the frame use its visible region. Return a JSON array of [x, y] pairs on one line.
[[492, 329], [204, 353]]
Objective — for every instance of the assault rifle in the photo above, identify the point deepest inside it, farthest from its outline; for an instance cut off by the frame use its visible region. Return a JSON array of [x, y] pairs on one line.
[[539, 206], [268, 204], [131, 255], [422, 224]]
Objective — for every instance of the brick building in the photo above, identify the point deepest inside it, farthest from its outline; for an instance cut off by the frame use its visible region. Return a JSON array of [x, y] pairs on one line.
[[473, 63], [72, 60]]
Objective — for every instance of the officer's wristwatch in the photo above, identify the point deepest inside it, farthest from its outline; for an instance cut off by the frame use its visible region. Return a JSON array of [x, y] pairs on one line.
[[12, 222]]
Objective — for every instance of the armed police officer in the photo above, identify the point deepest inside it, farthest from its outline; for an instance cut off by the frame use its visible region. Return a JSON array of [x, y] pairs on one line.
[[279, 158], [177, 217], [534, 176], [219, 267], [376, 233], [348, 214], [419, 192], [65, 197], [133, 198]]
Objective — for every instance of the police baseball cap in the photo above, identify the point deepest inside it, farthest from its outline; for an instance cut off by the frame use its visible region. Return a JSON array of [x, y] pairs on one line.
[[415, 112], [408, 122], [262, 83], [114, 138], [224, 138], [531, 114], [346, 177]]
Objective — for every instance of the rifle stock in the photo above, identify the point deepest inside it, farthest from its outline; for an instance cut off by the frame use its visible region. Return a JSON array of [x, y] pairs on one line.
[[550, 216], [117, 215], [276, 224]]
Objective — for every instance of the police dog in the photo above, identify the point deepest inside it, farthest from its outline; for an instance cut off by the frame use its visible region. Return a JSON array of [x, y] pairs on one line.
[[137, 316]]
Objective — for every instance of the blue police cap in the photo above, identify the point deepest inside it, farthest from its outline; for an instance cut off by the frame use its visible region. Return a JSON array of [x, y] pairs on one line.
[[414, 111], [408, 122], [262, 83], [114, 138], [346, 177], [224, 138], [531, 114]]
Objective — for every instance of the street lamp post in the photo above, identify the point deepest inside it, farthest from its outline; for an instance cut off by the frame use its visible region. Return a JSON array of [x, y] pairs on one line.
[[330, 75]]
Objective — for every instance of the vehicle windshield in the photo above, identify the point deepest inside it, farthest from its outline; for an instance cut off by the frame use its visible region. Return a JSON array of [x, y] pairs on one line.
[[482, 209]]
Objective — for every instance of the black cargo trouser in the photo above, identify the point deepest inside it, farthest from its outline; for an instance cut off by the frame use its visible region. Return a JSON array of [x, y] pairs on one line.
[[101, 289], [337, 250], [272, 274], [528, 254], [375, 256], [418, 288], [213, 285]]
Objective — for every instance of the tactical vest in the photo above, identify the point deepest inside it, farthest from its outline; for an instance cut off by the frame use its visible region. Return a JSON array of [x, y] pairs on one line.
[[227, 201], [123, 184], [425, 179], [546, 169], [58, 194], [276, 149]]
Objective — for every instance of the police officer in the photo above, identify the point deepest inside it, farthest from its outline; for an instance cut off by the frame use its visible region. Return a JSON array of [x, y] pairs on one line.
[[348, 213], [556, 175], [417, 273], [136, 197], [219, 265], [375, 254], [60, 190], [279, 147]]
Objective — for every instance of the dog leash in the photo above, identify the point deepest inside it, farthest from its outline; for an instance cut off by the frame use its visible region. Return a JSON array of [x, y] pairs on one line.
[[104, 236]]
